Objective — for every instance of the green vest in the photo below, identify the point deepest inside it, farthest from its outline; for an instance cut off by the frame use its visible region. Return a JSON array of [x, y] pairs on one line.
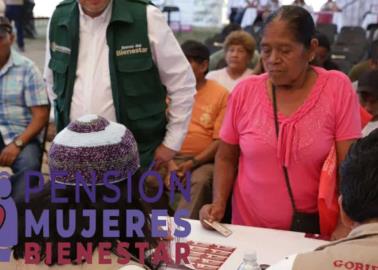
[[138, 94]]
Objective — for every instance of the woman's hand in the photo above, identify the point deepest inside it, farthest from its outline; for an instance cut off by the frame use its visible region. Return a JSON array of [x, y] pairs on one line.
[[185, 166], [211, 212], [162, 155], [226, 162]]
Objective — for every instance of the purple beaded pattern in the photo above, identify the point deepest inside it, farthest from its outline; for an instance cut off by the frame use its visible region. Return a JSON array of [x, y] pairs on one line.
[[94, 125], [122, 157]]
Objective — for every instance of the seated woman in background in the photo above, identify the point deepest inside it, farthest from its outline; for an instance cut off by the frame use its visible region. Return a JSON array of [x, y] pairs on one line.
[[368, 92], [239, 48], [217, 58], [323, 54], [330, 6], [302, 3], [88, 145], [365, 65], [278, 130]]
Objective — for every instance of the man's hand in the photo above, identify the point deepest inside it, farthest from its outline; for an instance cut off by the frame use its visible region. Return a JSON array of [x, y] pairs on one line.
[[185, 166], [162, 155], [171, 167], [211, 212], [9, 154]]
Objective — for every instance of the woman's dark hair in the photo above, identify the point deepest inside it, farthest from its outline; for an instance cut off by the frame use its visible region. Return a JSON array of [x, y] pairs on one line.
[[299, 21], [42, 201], [359, 179]]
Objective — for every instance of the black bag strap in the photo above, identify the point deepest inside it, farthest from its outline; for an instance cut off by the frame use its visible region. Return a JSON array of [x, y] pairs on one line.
[[277, 126]]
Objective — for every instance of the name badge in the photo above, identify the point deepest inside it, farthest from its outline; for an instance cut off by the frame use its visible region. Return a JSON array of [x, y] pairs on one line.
[[131, 49]]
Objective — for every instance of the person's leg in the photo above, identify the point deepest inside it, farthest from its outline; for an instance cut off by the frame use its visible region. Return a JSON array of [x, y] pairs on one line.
[[27, 160], [9, 12], [239, 15], [233, 15], [28, 20], [200, 192]]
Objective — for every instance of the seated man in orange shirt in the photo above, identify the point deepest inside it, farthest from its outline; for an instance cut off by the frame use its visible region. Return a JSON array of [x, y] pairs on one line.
[[202, 140]]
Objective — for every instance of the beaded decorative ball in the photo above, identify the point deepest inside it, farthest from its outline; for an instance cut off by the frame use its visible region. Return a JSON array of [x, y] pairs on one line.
[[91, 148]]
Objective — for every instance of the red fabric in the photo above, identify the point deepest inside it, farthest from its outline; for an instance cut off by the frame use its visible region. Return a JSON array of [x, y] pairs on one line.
[[328, 195], [325, 17], [328, 190]]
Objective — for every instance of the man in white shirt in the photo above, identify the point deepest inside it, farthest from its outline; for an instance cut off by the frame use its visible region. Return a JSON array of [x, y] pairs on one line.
[[124, 67]]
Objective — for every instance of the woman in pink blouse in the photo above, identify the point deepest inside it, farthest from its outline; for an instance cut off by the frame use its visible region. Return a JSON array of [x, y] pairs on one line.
[[315, 109]]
